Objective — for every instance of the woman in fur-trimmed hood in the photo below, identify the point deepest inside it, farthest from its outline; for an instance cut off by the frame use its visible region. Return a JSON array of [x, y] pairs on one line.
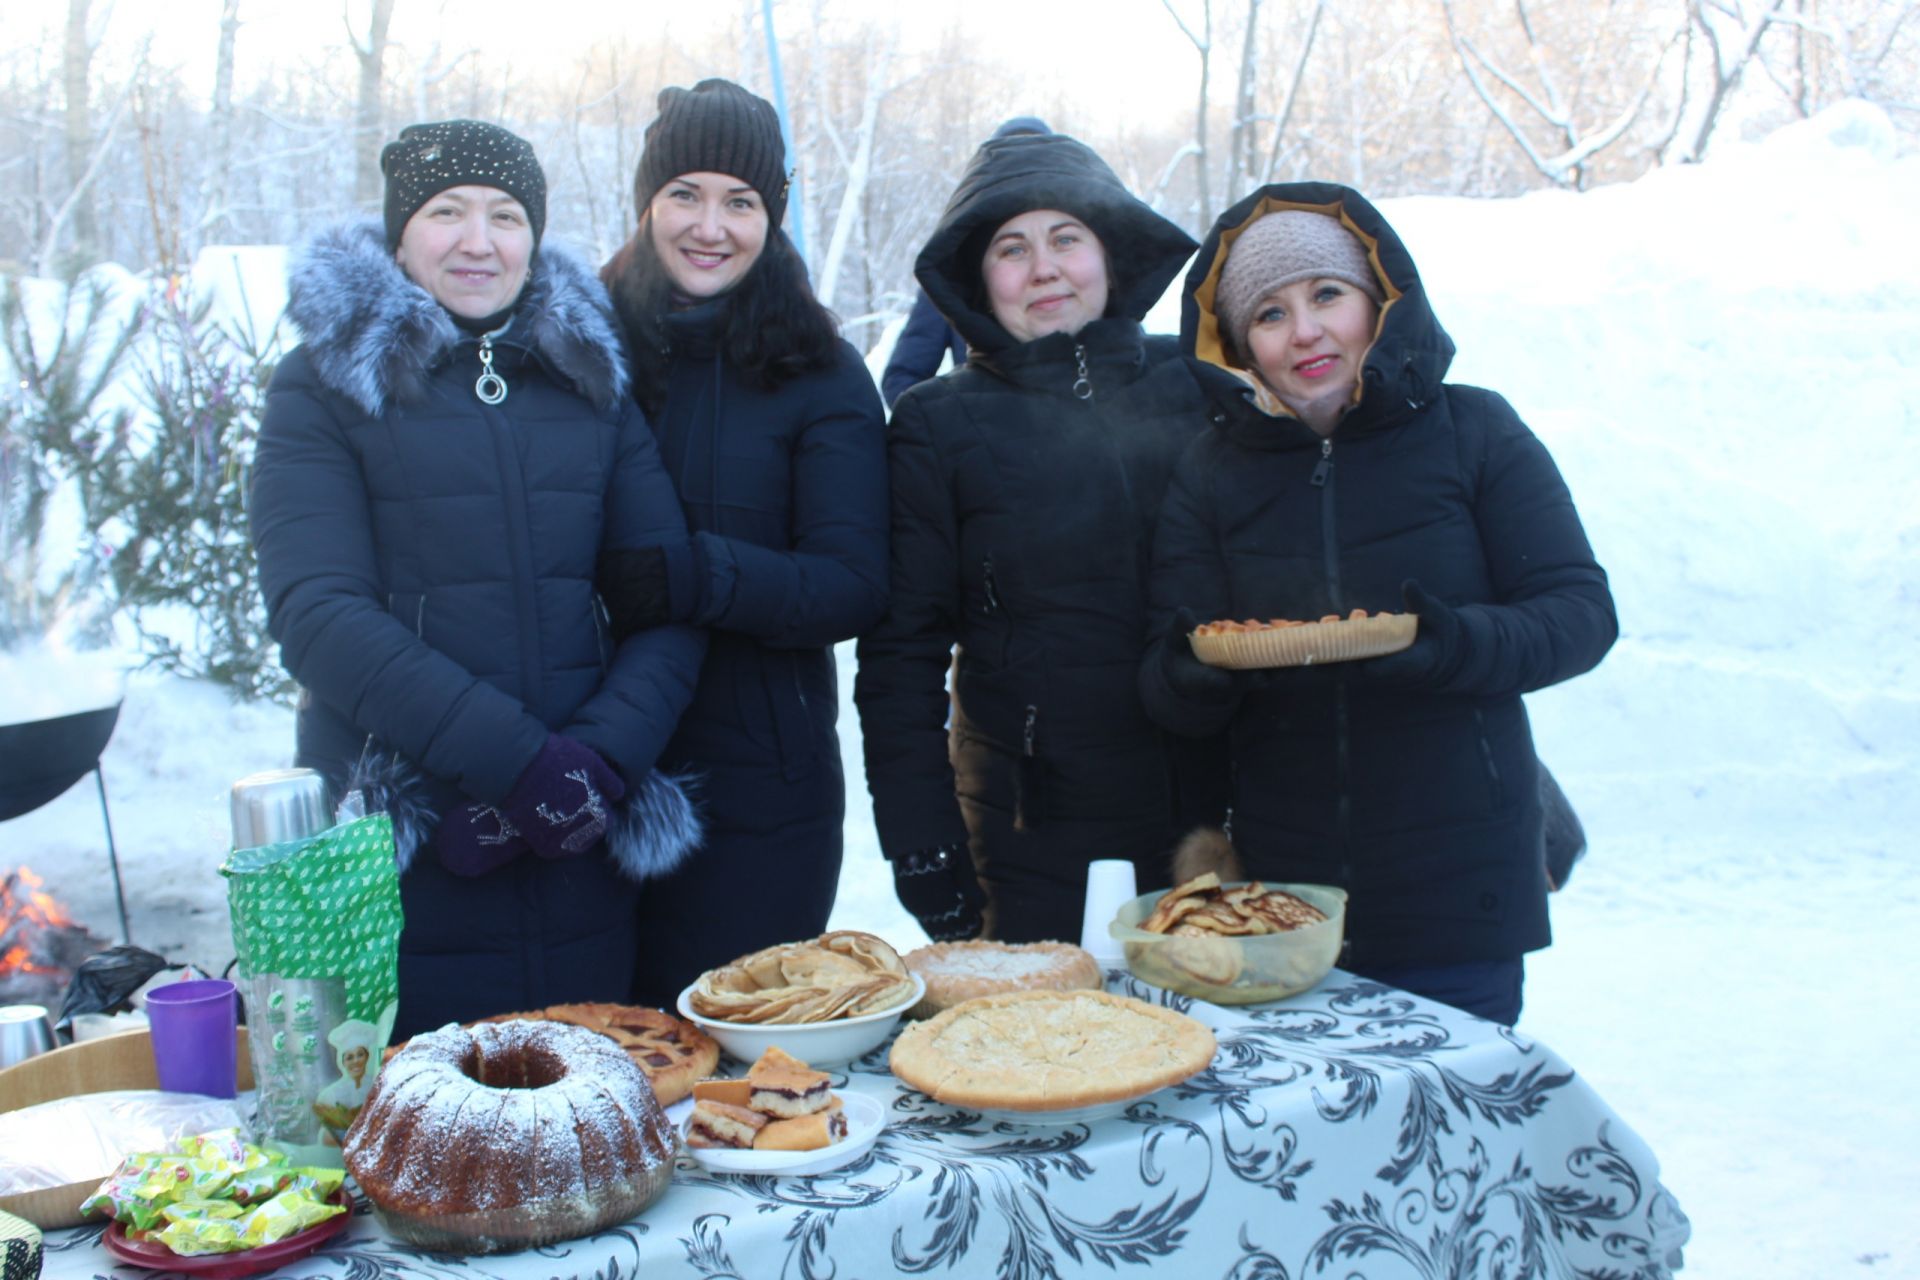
[[440, 464], [1342, 471]]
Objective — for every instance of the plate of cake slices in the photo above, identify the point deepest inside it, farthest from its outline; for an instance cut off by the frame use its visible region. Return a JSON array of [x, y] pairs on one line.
[[782, 1119]]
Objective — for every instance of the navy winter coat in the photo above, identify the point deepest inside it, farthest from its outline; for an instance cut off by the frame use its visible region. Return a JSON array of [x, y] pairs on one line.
[[1025, 489], [428, 564], [786, 491], [925, 340], [1422, 802]]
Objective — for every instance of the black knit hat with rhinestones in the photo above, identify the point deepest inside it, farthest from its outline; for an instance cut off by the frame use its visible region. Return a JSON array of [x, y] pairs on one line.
[[429, 158], [715, 127]]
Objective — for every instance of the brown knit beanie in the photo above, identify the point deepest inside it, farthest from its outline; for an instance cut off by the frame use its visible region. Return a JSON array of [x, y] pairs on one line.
[[714, 127], [429, 158], [1279, 249]]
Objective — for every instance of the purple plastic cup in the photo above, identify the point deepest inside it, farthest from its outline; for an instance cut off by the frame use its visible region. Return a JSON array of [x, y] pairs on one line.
[[194, 1042]]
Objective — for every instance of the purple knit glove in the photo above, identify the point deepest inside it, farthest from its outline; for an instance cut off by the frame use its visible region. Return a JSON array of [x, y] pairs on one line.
[[473, 839], [561, 803]]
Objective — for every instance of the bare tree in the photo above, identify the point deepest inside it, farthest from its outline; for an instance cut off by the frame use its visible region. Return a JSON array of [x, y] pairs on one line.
[[218, 220], [367, 130], [1568, 165], [1725, 64], [1284, 115], [76, 63], [1203, 45]]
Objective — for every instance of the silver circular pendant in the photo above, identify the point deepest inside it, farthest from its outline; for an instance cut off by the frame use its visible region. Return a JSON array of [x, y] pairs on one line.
[[491, 388]]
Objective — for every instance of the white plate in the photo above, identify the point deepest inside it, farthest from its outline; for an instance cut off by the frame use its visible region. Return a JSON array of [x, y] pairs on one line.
[[865, 1120], [1072, 1115]]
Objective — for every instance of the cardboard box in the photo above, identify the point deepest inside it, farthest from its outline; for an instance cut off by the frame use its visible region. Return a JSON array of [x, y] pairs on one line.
[[124, 1061]]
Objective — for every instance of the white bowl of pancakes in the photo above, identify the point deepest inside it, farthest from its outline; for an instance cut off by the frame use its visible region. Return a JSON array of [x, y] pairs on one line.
[[825, 1001]]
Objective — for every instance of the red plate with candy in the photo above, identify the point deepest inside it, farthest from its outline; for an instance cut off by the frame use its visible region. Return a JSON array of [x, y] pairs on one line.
[[230, 1266]]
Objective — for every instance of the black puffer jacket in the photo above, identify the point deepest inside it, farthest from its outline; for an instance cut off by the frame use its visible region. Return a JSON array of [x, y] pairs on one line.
[[1422, 802], [428, 562], [1022, 517]]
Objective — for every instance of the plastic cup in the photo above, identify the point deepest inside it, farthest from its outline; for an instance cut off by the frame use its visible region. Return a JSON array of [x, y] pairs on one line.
[[1110, 886], [194, 1027]]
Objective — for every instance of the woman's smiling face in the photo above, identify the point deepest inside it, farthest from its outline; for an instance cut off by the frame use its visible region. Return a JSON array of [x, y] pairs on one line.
[[469, 247], [708, 229], [1045, 273], [1309, 339]]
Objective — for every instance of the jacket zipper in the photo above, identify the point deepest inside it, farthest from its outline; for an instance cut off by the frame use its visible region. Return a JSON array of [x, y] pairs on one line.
[[993, 595], [1322, 479], [1082, 384], [1486, 757]]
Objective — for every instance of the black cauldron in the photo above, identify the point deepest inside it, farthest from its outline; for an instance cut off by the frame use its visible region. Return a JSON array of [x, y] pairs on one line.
[[40, 759]]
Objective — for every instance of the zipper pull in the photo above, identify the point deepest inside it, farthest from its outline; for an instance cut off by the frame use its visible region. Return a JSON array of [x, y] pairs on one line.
[[993, 596], [1323, 469], [489, 386], [1082, 385], [1026, 737]]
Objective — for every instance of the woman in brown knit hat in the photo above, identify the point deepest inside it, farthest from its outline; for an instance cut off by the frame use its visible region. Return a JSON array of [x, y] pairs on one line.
[[1341, 471], [773, 432]]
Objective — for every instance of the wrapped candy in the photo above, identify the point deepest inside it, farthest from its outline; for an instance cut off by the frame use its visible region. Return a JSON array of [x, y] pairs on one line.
[[217, 1194]]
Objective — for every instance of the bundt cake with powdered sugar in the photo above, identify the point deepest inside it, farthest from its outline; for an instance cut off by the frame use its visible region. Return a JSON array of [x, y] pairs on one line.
[[509, 1135]]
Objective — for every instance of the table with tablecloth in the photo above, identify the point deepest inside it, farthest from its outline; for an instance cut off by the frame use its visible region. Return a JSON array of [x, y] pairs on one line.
[[1353, 1131]]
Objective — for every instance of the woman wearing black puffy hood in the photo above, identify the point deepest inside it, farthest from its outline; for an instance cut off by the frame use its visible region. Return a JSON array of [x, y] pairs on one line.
[[1024, 491], [1343, 472], [441, 462]]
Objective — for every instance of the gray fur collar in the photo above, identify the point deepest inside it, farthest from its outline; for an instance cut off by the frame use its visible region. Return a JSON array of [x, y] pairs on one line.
[[375, 336]]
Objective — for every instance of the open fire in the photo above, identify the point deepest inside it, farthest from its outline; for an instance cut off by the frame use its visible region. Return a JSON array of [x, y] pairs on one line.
[[40, 945]]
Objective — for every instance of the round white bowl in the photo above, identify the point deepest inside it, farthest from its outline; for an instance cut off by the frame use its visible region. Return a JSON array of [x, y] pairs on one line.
[[817, 1044]]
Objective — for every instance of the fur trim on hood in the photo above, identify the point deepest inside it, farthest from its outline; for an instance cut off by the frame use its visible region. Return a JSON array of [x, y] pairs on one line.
[[375, 336], [650, 832]]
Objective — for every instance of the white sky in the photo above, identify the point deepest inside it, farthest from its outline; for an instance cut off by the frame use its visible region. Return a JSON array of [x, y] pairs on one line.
[[1122, 59]]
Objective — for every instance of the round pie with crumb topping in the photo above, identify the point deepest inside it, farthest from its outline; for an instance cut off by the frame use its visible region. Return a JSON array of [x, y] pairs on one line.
[[1050, 1051], [957, 971]]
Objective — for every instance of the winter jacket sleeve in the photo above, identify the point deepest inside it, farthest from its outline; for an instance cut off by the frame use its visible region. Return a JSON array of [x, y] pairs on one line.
[[923, 342], [313, 532], [1189, 573], [831, 582], [901, 687], [1552, 617], [653, 672]]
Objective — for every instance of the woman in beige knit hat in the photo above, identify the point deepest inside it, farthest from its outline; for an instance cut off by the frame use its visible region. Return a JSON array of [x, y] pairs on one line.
[[1342, 472]]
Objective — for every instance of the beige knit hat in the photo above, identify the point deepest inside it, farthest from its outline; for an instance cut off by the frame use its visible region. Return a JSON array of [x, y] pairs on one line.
[[1279, 249]]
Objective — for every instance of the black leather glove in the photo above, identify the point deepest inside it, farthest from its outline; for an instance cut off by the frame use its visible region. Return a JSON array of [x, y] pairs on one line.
[[633, 582], [1434, 655], [1186, 675], [939, 889]]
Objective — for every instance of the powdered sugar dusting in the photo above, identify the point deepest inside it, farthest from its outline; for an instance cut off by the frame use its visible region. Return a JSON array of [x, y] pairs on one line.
[[591, 1139]]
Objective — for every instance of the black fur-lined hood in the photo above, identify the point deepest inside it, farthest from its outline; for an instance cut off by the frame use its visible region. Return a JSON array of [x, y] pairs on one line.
[[374, 335]]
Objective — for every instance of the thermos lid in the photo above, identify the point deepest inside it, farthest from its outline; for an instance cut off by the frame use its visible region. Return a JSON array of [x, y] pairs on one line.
[[278, 805]]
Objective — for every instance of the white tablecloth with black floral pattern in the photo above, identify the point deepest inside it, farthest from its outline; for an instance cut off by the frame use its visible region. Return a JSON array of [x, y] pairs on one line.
[[1353, 1131]]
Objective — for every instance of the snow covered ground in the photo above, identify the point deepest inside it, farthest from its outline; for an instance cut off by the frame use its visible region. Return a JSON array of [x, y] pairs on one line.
[[1723, 360]]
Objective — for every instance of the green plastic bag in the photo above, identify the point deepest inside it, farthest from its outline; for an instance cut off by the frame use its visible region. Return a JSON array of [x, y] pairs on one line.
[[316, 922]]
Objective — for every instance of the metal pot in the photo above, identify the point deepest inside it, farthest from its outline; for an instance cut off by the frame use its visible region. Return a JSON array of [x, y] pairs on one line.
[[40, 759]]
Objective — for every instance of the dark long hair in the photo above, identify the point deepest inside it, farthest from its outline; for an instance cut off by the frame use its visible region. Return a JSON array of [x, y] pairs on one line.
[[772, 329]]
